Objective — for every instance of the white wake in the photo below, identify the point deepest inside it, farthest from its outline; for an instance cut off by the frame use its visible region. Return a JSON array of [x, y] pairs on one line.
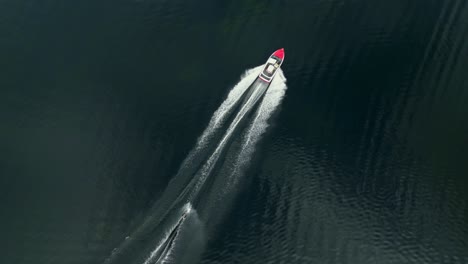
[[221, 114], [176, 201], [255, 129], [260, 123]]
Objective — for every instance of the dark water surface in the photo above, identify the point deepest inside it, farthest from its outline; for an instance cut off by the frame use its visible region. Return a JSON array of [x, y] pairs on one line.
[[365, 161]]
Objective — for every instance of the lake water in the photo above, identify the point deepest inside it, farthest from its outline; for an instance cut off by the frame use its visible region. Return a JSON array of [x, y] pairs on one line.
[[358, 154]]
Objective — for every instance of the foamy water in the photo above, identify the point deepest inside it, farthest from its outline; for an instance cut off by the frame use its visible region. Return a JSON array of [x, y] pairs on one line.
[[190, 180], [259, 124], [224, 110]]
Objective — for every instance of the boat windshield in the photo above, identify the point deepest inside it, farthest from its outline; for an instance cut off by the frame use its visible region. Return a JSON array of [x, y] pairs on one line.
[[269, 70]]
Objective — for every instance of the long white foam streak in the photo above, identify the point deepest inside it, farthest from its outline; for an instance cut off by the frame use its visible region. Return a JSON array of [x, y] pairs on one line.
[[158, 213], [260, 122], [257, 92], [162, 251], [225, 189], [174, 213], [193, 188], [221, 114]]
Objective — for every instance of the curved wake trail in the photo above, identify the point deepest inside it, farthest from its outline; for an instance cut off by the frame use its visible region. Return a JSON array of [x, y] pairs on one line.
[[173, 222], [259, 124], [223, 112], [227, 183], [207, 169]]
